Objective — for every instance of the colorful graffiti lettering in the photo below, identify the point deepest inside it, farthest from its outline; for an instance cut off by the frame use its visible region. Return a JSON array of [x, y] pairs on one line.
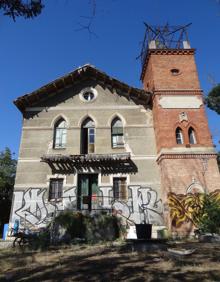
[[185, 208]]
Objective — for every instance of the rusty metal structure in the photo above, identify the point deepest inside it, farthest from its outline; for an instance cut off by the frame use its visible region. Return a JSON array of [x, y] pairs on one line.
[[164, 37]]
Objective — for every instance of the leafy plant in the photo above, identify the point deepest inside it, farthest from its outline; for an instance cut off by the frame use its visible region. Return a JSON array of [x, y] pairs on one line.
[[7, 178], [21, 8], [90, 227], [213, 99], [218, 160], [209, 215]]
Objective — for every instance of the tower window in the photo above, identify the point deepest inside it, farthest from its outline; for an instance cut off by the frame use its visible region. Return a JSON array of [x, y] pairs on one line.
[[60, 134], [117, 133], [175, 71], [88, 136], [179, 136], [192, 136]]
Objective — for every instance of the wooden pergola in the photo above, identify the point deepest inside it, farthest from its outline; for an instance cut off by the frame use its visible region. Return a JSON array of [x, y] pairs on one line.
[[104, 163]]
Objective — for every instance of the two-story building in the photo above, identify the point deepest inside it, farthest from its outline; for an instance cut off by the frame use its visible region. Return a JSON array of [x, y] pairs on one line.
[[91, 142]]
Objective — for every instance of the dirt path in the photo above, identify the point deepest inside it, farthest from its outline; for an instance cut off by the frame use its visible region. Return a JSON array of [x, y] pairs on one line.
[[111, 263]]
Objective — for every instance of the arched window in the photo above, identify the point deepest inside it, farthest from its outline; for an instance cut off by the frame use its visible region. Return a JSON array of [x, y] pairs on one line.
[[117, 133], [179, 136], [192, 136], [88, 136], [60, 134]]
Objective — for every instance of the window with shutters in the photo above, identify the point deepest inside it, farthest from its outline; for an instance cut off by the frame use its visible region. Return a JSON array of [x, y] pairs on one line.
[[120, 188], [117, 133], [56, 189]]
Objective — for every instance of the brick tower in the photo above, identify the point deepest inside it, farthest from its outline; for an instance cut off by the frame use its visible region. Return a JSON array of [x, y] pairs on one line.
[[186, 155]]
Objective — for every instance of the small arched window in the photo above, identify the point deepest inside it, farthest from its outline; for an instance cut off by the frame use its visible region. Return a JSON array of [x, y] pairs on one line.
[[88, 136], [117, 133], [192, 136], [179, 136], [60, 134]]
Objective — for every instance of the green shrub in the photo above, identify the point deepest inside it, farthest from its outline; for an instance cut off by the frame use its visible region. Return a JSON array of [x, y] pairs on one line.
[[72, 222], [209, 216], [90, 227]]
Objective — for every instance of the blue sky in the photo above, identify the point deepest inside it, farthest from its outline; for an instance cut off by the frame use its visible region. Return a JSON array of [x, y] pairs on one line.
[[34, 52]]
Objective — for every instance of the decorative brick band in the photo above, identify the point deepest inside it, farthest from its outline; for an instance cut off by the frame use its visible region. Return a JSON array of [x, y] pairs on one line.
[[178, 92], [190, 51], [185, 156]]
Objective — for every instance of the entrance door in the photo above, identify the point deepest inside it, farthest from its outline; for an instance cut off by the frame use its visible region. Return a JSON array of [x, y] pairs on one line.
[[87, 193]]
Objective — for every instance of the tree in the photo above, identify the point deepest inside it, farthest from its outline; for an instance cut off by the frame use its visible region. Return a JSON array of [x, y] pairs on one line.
[[218, 160], [213, 99], [7, 178], [213, 102], [21, 8], [209, 216]]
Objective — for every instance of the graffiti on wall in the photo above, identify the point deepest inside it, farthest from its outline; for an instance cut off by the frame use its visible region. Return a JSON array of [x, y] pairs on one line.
[[186, 208], [143, 204], [32, 207]]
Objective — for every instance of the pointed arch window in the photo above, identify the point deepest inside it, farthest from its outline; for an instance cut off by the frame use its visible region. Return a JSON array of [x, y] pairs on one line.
[[179, 136], [88, 136], [117, 135], [192, 136], [60, 134]]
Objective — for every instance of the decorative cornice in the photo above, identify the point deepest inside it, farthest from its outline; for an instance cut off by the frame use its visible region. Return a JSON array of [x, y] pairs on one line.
[[164, 52], [185, 156]]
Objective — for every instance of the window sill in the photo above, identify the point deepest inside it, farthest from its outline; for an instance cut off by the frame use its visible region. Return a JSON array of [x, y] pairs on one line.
[[118, 147], [194, 145], [59, 148]]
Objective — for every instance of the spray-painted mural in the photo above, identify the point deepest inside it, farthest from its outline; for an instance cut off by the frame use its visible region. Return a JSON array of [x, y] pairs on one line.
[[185, 208], [31, 206]]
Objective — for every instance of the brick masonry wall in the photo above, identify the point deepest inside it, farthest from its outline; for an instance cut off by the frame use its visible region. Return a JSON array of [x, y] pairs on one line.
[[167, 120], [180, 174], [158, 72]]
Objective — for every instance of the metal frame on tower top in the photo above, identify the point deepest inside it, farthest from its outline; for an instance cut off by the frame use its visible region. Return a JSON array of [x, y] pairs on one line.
[[164, 37]]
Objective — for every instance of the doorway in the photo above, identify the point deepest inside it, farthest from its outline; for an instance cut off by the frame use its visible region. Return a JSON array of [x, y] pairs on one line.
[[88, 137], [87, 192]]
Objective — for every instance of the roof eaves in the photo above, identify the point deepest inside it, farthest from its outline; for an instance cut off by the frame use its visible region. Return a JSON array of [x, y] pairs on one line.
[[69, 79]]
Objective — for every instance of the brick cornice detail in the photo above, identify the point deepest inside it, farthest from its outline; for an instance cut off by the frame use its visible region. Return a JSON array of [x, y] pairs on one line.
[[178, 92], [164, 52], [164, 156]]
